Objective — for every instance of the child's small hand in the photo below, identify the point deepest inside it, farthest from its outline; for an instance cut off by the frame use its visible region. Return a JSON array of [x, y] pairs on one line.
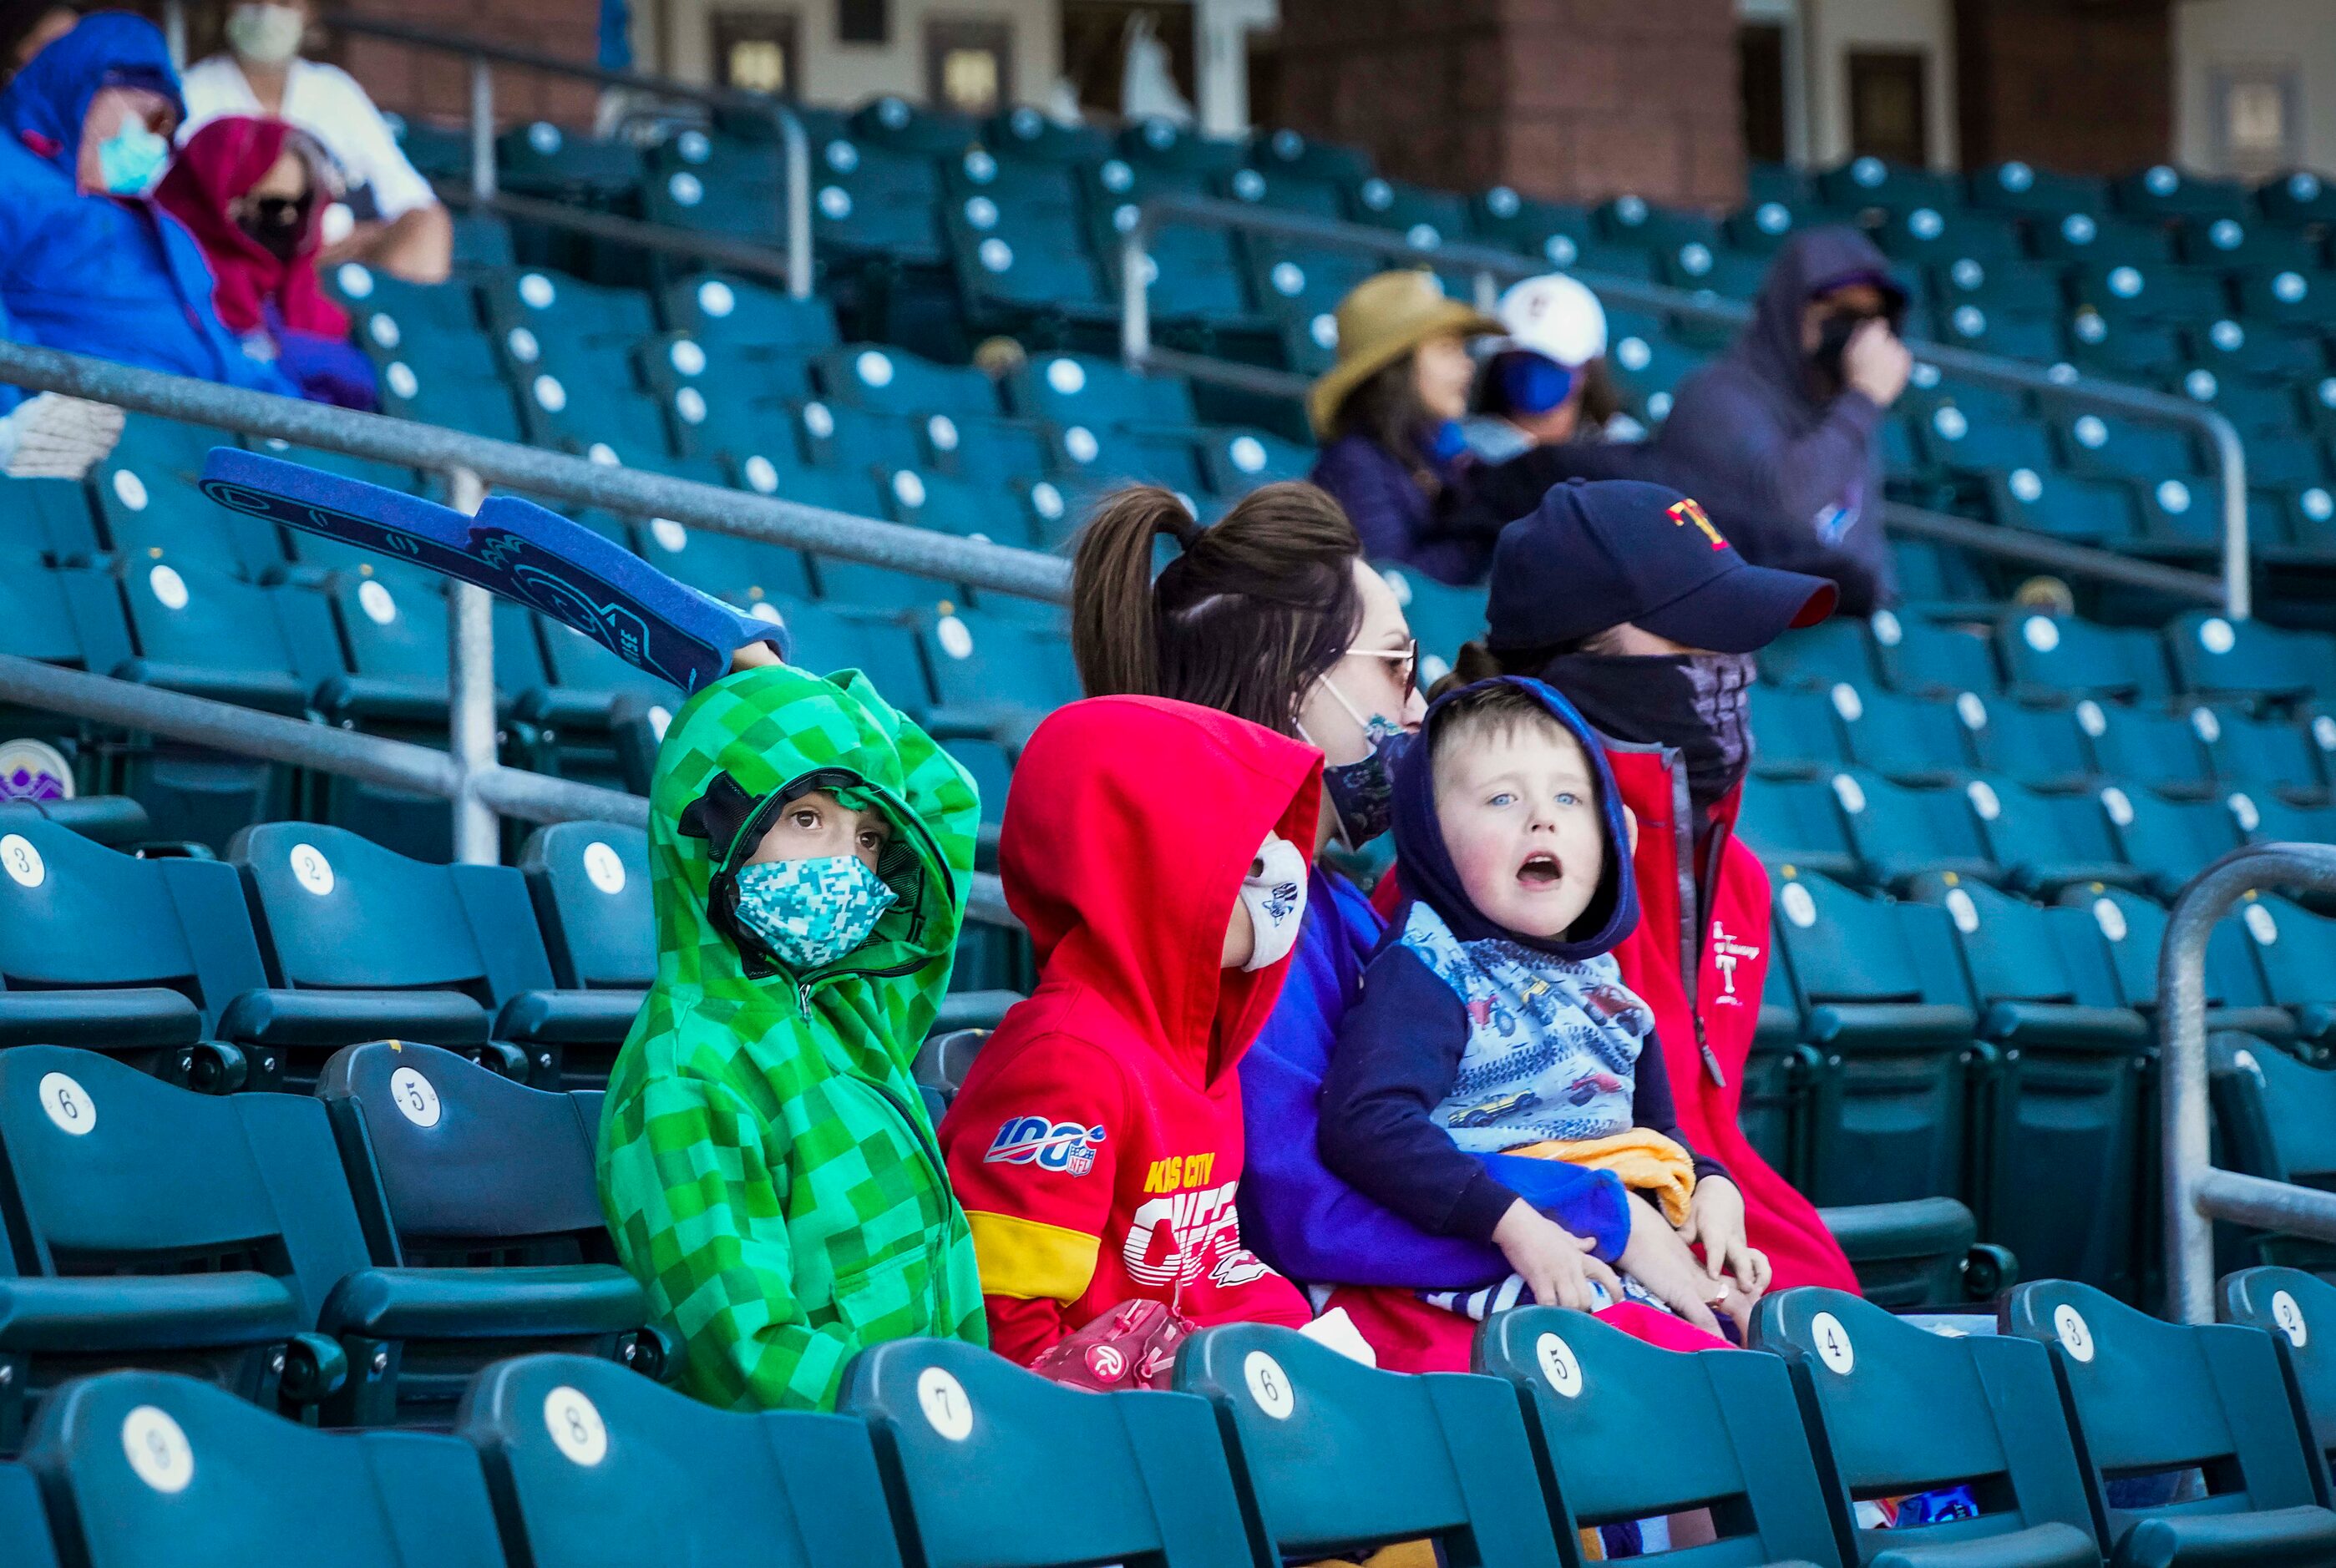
[[1555, 1264], [1715, 1222], [1659, 1261]]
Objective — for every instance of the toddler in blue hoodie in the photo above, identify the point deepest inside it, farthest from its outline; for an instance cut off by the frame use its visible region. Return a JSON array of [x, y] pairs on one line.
[[1494, 1033]]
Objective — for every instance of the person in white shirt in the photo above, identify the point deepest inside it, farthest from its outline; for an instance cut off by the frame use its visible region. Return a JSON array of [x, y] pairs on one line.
[[392, 220]]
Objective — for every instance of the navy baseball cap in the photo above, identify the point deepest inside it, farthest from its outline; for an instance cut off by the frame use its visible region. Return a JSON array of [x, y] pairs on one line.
[[1597, 553]]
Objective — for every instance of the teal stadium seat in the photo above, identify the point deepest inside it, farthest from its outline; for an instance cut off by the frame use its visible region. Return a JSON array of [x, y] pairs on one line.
[[1912, 741], [479, 1204], [1898, 834], [967, 1443], [2167, 842], [2214, 657], [592, 1465], [141, 1467], [1796, 822], [1330, 1455], [1597, 1401], [2298, 1311], [590, 882], [2297, 951], [1991, 1422], [1925, 659], [1885, 1006], [1087, 390], [2041, 842], [2272, 1117], [2133, 927], [2148, 1397]]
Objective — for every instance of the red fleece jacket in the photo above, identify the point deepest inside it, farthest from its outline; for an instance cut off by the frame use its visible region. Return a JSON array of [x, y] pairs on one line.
[[1096, 1144]]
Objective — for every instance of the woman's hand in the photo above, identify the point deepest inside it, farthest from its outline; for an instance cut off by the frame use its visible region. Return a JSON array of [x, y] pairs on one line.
[[1556, 1264], [1659, 1261], [1715, 1222]]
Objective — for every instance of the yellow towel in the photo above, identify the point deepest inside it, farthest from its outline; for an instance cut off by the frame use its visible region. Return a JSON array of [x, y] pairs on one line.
[[1645, 1160]]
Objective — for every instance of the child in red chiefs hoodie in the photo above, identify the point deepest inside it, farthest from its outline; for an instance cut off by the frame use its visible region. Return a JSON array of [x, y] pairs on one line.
[[1153, 850]]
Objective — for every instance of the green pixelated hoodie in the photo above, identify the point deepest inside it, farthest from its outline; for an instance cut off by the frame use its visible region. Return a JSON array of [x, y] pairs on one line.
[[766, 1164]]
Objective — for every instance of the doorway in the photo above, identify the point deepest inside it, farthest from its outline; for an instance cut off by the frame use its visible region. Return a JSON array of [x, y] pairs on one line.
[[1889, 106]]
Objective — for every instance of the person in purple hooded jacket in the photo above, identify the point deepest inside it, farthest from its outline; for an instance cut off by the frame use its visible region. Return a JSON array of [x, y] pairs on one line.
[[1782, 429]]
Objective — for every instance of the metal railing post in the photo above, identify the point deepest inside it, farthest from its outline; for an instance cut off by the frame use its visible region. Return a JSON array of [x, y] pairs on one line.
[[483, 128], [796, 200], [2231, 457], [2196, 1193], [471, 694], [1134, 292], [1488, 292]]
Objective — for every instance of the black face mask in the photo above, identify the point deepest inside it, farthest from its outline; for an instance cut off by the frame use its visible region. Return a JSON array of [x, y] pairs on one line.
[[1699, 704], [1832, 341], [276, 224]]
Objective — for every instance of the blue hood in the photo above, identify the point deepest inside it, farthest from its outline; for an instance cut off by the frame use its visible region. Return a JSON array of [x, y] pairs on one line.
[[1429, 877], [46, 102]]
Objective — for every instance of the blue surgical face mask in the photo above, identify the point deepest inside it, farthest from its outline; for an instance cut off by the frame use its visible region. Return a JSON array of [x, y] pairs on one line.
[[129, 160], [1362, 792], [810, 912]]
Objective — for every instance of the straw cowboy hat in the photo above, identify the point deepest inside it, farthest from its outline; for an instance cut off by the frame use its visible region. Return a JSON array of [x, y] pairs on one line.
[[1382, 319]]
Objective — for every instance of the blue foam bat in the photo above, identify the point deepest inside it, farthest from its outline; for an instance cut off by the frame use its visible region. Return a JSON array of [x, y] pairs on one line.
[[514, 549]]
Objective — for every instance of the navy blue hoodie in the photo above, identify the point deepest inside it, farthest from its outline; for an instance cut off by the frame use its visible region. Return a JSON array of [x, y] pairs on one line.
[[1388, 1121], [1799, 475]]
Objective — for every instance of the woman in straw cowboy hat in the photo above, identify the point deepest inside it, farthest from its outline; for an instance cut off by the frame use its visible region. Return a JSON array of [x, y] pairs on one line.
[[1387, 413]]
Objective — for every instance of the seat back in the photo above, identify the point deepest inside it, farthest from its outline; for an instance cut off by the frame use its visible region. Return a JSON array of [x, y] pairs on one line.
[[23, 1524], [336, 912], [1990, 1421], [591, 883], [2297, 1310], [2277, 1115], [966, 1440], [2147, 1396], [591, 1465], [2135, 929], [1597, 1402], [1330, 1455], [2296, 949], [466, 1161], [76, 915], [1900, 833], [142, 1467]]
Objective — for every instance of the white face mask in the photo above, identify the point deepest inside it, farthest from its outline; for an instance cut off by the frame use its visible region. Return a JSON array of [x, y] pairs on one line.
[[266, 34], [1274, 892]]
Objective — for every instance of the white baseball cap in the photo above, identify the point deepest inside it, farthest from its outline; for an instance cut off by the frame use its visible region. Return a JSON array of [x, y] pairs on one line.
[[1555, 317]]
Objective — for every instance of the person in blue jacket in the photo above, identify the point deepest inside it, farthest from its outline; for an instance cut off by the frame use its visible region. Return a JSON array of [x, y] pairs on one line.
[[88, 264]]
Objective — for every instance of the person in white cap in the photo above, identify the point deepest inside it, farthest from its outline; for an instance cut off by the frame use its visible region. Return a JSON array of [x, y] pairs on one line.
[[1543, 372]]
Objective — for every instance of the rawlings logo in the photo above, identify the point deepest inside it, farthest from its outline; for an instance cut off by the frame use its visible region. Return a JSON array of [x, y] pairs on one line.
[[1048, 1144]]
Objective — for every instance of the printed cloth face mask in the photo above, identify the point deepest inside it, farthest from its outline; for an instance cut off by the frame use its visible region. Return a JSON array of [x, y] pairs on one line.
[[810, 912], [1274, 892], [1362, 792]]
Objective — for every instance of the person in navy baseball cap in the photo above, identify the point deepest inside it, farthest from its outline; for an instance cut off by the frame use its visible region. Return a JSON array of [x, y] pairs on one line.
[[1599, 553]]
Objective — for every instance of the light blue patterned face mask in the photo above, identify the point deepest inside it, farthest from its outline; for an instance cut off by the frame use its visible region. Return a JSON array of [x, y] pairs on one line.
[[810, 912]]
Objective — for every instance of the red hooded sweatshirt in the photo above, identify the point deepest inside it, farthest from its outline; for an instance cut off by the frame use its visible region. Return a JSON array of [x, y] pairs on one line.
[[1096, 1144]]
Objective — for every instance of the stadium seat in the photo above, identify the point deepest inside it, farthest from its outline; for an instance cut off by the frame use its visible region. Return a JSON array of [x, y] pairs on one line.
[[2214, 657], [2297, 951], [1925, 659], [1795, 732], [2272, 1120], [1912, 741], [2063, 1118], [1147, 1471], [993, 677], [161, 1228], [1840, 648], [2040, 842], [886, 380], [1898, 834], [2168, 842], [592, 1465], [2135, 929], [590, 885], [2298, 1311], [363, 944], [2045, 749], [2159, 749], [479, 1204], [2060, 659], [2148, 1397], [141, 1467], [2098, 513], [1885, 1004], [1796, 822], [1330, 1455], [1991, 1423], [1723, 1421], [136, 958]]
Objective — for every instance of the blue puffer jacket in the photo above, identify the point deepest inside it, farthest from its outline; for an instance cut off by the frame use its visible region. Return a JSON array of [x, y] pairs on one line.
[[92, 273]]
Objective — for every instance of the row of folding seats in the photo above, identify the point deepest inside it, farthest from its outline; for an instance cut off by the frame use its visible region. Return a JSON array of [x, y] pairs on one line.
[[1275, 1450]]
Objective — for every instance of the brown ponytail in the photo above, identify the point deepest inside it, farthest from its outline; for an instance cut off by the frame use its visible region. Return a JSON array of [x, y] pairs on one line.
[[1246, 617]]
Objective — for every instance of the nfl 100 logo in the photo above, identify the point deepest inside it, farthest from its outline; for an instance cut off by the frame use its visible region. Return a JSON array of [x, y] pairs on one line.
[[1050, 1145]]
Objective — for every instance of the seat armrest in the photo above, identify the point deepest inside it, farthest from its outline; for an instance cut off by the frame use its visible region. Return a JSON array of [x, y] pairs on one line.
[[2303, 1533], [485, 1304], [1920, 1227], [146, 1313], [332, 1019], [569, 1017], [2053, 1546], [129, 1018]]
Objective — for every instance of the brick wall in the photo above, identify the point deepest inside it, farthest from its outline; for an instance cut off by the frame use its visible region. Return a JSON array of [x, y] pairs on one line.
[[438, 86], [2084, 85], [1568, 99]]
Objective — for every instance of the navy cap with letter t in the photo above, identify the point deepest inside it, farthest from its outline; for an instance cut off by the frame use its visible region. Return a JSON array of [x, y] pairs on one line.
[[1597, 553]]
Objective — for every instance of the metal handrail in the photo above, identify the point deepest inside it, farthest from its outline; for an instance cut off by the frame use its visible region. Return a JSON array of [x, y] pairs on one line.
[[2198, 1193], [1490, 267], [794, 211]]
